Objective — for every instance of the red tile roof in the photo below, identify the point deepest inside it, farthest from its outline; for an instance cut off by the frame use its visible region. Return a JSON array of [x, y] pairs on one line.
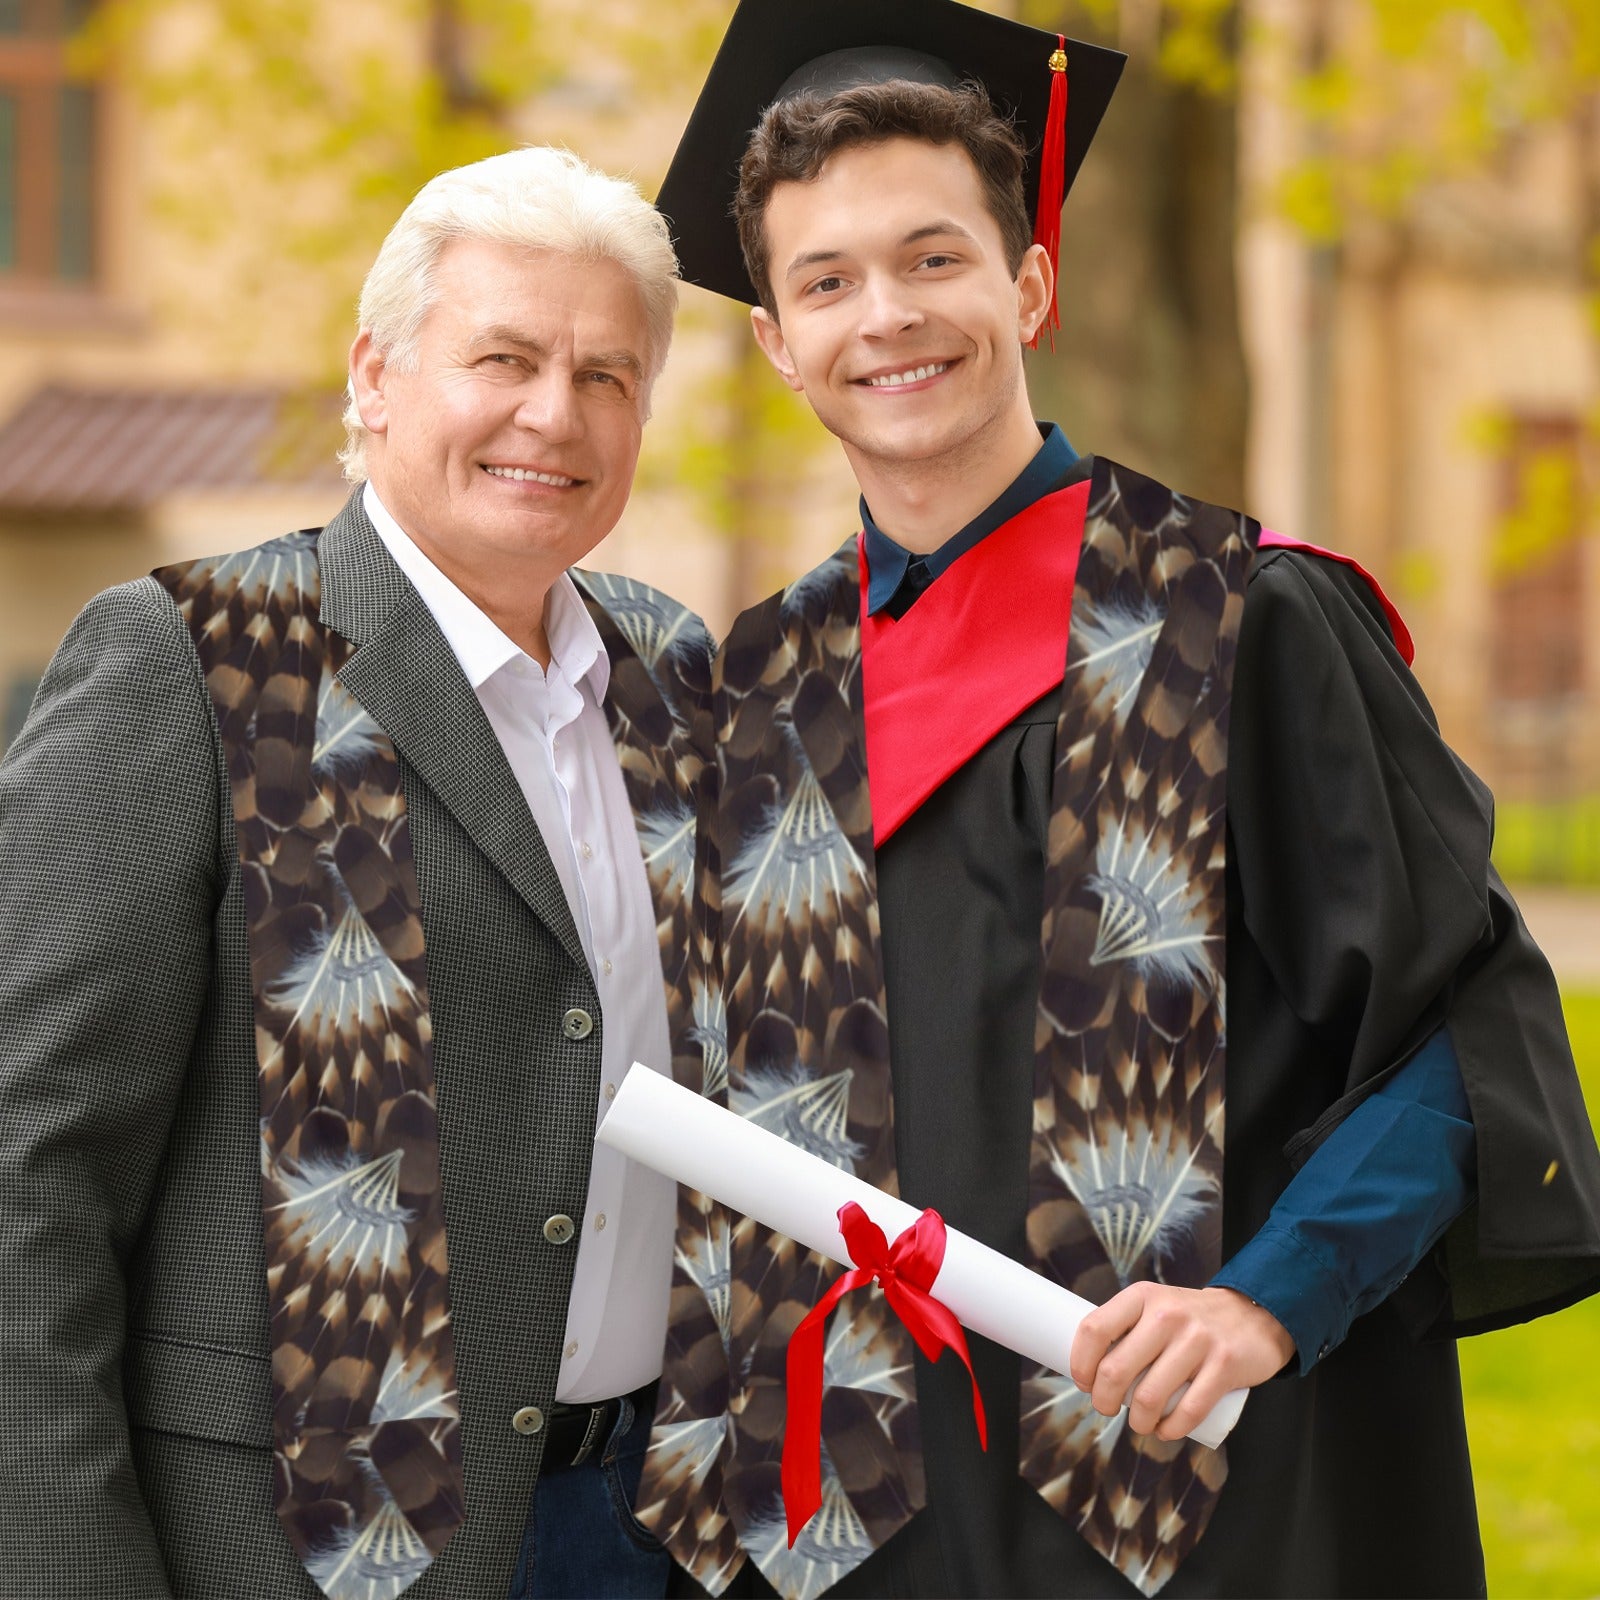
[[68, 449]]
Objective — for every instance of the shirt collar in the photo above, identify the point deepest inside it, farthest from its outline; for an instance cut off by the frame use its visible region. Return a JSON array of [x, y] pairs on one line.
[[478, 642], [887, 562]]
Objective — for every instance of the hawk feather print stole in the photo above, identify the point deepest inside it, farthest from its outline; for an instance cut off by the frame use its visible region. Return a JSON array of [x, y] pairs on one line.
[[366, 1424], [1126, 1164]]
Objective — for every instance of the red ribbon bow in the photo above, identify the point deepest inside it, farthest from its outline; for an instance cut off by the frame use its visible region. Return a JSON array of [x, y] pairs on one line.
[[906, 1271]]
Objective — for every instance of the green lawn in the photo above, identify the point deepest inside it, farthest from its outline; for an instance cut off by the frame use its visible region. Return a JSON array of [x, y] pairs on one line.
[[1533, 1413]]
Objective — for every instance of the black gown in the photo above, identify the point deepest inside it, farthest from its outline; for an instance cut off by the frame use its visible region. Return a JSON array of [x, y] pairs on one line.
[[1362, 910]]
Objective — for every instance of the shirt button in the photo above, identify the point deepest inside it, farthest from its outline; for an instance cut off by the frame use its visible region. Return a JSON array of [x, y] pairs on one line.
[[530, 1419], [600, 1223], [588, 850], [577, 1023], [559, 1229], [571, 1350], [611, 1091], [605, 967]]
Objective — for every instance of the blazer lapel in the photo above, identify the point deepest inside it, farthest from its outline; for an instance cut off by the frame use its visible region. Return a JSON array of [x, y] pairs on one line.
[[407, 678]]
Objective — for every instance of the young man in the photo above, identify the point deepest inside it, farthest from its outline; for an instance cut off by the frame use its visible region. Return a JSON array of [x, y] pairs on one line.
[[1087, 868], [326, 927]]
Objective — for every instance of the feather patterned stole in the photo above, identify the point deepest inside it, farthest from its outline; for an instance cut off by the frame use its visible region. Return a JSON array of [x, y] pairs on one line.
[[366, 1422], [1125, 1172], [1141, 745], [366, 1418]]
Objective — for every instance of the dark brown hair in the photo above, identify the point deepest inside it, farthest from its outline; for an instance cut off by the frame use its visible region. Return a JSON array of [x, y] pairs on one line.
[[796, 137]]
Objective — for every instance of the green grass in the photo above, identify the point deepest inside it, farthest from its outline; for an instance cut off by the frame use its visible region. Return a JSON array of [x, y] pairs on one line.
[[1548, 842], [1533, 1415]]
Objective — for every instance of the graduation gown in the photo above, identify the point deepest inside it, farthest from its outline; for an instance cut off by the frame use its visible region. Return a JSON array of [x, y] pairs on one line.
[[1362, 913]]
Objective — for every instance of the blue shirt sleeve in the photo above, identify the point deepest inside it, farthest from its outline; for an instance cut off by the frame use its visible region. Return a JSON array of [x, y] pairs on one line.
[[1367, 1206]]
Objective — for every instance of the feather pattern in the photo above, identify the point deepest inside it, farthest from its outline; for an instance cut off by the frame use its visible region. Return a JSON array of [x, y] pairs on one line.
[[800, 1047], [811, 1112], [833, 1543], [366, 1419], [656, 629], [378, 1560], [1126, 1167], [659, 706]]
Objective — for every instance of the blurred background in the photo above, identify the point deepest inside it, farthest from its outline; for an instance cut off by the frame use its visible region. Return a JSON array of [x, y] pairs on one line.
[[1334, 262]]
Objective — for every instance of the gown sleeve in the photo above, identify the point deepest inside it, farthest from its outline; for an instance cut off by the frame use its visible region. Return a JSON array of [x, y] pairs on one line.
[[1360, 849]]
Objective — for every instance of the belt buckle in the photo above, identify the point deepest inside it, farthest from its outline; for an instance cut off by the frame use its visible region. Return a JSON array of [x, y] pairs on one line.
[[590, 1433]]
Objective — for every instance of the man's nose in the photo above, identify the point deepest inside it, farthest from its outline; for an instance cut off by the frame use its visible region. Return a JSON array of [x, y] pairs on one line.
[[549, 405], [887, 307]]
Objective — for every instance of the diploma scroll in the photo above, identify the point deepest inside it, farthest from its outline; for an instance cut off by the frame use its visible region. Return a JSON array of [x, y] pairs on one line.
[[684, 1136]]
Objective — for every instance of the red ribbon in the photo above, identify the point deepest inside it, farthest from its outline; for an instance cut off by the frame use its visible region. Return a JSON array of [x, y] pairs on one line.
[[905, 1270]]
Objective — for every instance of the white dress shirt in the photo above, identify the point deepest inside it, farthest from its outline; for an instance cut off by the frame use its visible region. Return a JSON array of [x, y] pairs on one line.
[[554, 733]]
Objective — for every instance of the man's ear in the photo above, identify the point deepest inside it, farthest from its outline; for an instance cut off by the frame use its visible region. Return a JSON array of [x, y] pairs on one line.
[[1036, 282], [774, 347], [367, 372]]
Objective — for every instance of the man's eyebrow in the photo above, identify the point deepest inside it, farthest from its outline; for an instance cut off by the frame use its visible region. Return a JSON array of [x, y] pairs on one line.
[[811, 258], [625, 360], [504, 333], [941, 228]]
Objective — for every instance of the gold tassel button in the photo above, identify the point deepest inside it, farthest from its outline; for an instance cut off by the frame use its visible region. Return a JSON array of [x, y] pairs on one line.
[[1058, 62], [1550, 1173]]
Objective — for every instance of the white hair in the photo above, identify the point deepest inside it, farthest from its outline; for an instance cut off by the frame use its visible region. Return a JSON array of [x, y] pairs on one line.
[[537, 197]]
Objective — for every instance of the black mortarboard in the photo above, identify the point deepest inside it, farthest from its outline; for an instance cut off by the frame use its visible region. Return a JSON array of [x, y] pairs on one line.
[[776, 48]]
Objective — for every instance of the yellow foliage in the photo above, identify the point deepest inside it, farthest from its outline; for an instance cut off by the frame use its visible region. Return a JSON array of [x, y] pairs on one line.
[[1308, 195], [1416, 575]]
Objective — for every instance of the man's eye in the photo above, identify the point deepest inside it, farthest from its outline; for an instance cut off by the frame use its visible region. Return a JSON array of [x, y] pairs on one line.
[[606, 377], [938, 261], [826, 285], [502, 358]]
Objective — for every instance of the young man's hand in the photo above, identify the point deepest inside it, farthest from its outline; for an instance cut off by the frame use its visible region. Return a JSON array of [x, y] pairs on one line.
[[1212, 1339]]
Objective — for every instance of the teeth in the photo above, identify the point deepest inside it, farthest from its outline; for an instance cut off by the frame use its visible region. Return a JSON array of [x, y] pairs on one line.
[[518, 475], [914, 375]]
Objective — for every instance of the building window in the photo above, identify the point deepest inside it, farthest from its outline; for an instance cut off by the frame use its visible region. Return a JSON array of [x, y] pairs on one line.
[[1538, 566], [47, 147]]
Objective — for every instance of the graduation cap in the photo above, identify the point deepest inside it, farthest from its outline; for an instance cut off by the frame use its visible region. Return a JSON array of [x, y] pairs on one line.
[[775, 49]]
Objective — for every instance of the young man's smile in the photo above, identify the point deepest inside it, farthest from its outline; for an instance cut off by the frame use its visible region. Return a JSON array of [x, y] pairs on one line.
[[908, 379]]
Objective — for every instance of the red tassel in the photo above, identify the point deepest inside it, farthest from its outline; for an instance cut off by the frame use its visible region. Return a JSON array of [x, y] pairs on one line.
[[1052, 183]]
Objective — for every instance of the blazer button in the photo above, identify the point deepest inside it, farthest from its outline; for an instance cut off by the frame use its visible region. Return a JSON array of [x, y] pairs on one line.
[[577, 1023], [530, 1419], [559, 1229]]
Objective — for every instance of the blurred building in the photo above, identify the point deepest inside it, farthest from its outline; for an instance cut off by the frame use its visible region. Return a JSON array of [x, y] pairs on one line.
[[1426, 396], [121, 445]]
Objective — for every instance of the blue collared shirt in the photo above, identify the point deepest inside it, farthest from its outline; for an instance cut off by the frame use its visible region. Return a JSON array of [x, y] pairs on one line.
[[895, 574], [1379, 1192]]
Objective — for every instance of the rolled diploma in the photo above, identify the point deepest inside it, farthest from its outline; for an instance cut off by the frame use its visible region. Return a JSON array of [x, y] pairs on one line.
[[682, 1135]]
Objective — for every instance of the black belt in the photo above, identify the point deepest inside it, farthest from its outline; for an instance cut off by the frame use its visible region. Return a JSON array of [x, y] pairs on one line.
[[574, 1433]]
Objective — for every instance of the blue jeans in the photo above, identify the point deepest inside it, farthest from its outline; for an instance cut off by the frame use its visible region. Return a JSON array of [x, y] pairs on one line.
[[583, 1541]]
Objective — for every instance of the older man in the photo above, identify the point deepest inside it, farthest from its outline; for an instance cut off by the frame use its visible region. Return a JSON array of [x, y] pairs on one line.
[[333, 873]]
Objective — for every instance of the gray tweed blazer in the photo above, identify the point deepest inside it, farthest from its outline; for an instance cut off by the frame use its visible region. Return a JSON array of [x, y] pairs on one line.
[[135, 1381]]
